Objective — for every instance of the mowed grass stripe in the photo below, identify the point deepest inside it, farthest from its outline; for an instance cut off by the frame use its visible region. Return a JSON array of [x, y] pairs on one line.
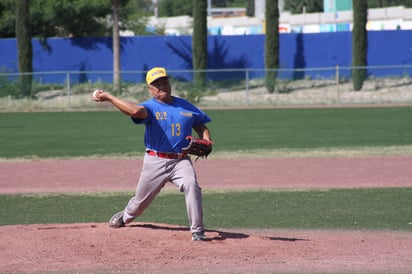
[[374, 209], [85, 134]]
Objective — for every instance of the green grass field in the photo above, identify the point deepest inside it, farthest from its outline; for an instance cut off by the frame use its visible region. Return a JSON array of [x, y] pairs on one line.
[[78, 134], [375, 209], [243, 132]]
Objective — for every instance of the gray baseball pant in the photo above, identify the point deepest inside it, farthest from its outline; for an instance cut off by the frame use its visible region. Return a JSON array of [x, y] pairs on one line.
[[156, 172]]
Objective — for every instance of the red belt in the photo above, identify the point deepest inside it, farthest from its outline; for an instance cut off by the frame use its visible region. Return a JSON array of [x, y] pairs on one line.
[[166, 155]]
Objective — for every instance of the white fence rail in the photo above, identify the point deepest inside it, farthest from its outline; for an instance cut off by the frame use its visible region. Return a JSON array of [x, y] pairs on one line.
[[232, 88]]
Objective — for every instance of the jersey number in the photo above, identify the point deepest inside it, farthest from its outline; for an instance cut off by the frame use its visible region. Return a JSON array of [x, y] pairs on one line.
[[176, 129]]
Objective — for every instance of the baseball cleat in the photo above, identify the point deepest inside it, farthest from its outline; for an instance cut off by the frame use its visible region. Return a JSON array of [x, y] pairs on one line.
[[116, 220], [199, 236]]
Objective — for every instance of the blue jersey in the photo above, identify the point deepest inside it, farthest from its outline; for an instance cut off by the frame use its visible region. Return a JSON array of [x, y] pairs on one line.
[[168, 125]]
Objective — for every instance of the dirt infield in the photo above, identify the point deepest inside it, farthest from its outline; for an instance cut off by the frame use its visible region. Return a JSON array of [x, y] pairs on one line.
[[164, 248]]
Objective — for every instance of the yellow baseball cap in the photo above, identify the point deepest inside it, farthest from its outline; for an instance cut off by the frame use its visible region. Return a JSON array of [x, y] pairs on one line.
[[154, 74]]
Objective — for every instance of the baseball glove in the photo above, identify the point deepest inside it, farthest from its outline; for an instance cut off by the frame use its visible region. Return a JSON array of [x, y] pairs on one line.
[[198, 147]]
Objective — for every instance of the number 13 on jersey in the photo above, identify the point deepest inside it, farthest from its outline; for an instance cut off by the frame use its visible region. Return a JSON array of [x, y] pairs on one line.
[[176, 129]]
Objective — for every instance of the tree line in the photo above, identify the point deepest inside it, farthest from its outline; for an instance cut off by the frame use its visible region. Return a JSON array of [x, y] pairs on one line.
[[46, 18], [78, 18]]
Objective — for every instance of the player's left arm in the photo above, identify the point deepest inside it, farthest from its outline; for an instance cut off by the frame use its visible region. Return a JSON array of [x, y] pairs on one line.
[[203, 132]]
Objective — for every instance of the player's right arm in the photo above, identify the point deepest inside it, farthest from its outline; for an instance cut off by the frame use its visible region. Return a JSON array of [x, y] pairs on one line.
[[127, 108]]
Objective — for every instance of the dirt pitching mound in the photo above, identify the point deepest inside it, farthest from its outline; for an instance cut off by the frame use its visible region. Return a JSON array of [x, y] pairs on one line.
[[160, 248]]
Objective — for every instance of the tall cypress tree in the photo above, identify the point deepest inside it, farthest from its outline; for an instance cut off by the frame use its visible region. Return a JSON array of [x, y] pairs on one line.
[[359, 43], [250, 8], [24, 48], [271, 44], [199, 43]]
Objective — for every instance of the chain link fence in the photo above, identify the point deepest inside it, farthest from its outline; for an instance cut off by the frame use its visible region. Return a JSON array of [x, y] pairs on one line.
[[228, 88]]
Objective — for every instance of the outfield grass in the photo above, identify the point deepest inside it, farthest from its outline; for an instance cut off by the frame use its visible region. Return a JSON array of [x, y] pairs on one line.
[[84, 134], [374, 209]]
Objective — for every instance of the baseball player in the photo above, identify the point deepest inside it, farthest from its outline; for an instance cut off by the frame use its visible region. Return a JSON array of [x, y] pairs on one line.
[[168, 120]]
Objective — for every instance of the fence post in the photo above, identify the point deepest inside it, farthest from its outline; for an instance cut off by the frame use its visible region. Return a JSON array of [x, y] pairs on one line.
[[247, 87], [337, 85], [68, 91]]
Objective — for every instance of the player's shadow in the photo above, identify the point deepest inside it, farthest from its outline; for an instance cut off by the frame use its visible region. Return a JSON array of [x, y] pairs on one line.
[[285, 239], [221, 235], [160, 227]]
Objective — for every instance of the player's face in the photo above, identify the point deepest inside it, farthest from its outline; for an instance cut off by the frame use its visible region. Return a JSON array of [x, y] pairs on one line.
[[161, 89]]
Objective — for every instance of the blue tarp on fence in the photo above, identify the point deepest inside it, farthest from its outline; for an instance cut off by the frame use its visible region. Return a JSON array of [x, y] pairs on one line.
[[297, 51]]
